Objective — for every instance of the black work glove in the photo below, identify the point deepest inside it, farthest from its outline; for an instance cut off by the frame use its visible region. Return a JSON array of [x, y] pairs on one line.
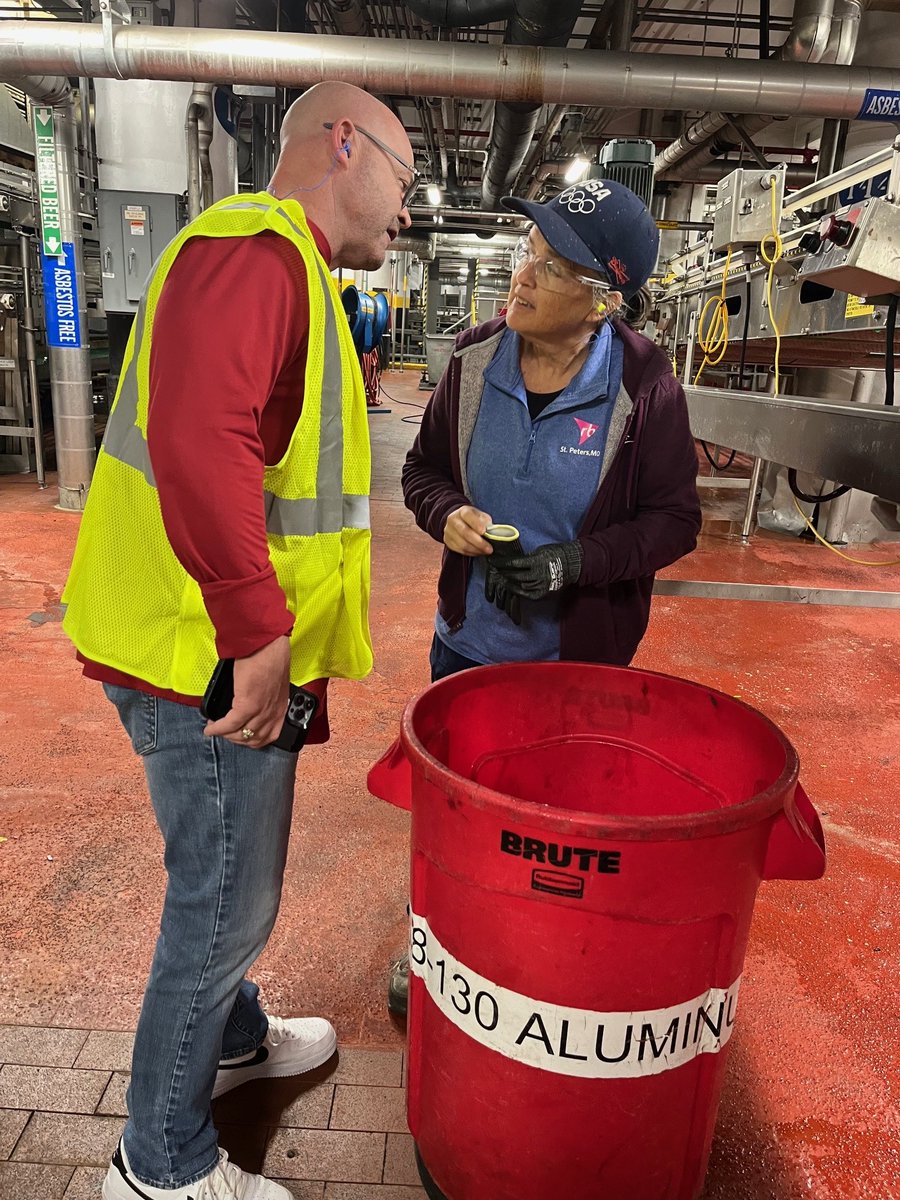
[[496, 592], [548, 569]]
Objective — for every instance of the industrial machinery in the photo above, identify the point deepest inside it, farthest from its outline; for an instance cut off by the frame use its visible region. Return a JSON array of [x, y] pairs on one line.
[[781, 283]]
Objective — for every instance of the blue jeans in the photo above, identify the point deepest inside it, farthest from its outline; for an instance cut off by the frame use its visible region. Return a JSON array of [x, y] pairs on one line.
[[445, 661], [224, 812]]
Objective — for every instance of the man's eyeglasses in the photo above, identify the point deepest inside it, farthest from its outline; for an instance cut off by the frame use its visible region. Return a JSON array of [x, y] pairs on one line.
[[552, 275], [409, 189]]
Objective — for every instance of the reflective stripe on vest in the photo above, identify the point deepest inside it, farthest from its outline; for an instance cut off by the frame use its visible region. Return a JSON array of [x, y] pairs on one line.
[[330, 510]]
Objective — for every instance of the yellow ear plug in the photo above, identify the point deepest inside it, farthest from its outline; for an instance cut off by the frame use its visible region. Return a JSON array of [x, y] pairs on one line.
[[601, 307]]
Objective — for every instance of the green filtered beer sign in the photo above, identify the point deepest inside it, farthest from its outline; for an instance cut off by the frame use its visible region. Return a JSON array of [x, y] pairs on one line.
[[47, 181]]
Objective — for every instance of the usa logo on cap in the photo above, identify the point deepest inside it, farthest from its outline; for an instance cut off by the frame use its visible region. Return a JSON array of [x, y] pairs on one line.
[[600, 225]]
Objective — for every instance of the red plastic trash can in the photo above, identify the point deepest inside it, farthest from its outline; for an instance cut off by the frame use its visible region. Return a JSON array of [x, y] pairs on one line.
[[587, 843]]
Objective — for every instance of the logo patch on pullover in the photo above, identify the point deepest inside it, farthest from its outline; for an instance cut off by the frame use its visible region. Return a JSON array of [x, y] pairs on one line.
[[586, 429]]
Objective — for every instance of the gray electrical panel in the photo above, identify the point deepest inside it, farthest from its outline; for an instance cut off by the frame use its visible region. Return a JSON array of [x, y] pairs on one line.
[[135, 228], [744, 207], [857, 250]]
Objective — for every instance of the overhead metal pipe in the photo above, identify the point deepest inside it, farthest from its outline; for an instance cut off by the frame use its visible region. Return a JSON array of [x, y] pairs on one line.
[[350, 17], [622, 25], [461, 69], [596, 39], [43, 89], [554, 120], [808, 36], [453, 13], [546, 170], [798, 174], [440, 136], [534, 23], [198, 134], [823, 31]]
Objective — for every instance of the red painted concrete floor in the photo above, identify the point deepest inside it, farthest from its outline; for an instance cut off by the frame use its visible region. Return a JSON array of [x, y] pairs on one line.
[[812, 1104]]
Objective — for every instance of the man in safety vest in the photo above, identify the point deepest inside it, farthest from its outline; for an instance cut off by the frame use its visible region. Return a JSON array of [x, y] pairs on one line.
[[227, 523]]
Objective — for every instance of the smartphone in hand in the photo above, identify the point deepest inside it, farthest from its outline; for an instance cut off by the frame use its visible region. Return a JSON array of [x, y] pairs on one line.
[[301, 709]]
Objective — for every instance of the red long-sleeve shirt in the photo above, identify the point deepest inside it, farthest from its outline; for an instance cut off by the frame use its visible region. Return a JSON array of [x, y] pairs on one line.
[[227, 371]]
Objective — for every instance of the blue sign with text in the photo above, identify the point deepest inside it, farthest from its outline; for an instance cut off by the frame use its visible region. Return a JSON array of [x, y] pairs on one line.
[[61, 299], [879, 105], [876, 186]]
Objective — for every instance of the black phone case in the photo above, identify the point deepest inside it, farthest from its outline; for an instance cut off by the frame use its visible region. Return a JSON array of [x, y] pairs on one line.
[[219, 695], [302, 706]]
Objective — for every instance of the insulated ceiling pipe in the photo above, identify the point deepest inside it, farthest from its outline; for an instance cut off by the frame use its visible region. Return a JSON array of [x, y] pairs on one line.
[[454, 13], [198, 134], [44, 89], [534, 23], [420, 68], [822, 31], [440, 136], [554, 120], [545, 171], [798, 174], [531, 23], [350, 17]]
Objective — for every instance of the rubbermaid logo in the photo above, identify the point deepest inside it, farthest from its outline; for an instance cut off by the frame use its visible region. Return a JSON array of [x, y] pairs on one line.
[[558, 883]]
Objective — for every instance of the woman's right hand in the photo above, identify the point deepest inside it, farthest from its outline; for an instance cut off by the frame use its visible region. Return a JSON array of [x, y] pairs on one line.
[[463, 530]]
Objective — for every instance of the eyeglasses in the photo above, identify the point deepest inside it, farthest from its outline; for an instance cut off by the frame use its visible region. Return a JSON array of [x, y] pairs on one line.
[[409, 189], [552, 275]]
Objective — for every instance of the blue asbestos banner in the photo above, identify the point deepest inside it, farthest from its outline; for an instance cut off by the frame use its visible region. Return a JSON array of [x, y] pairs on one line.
[[879, 105]]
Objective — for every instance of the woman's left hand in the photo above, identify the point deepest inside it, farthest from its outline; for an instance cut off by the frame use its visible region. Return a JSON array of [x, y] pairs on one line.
[[550, 568]]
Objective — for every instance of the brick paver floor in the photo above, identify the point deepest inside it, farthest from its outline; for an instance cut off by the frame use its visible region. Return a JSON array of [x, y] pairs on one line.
[[338, 1133]]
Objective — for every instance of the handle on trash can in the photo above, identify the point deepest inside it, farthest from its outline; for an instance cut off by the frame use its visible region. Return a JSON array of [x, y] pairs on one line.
[[391, 778], [796, 847]]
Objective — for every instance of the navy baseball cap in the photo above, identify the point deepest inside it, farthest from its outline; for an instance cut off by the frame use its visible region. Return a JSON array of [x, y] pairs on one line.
[[601, 226]]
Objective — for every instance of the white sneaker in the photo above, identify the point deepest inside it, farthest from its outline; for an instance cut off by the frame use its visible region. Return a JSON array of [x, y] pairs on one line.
[[225, 1182], [290, 1047]]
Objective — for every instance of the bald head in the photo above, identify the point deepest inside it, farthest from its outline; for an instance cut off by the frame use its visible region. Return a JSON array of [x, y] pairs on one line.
[[333, 101], [347, 160]]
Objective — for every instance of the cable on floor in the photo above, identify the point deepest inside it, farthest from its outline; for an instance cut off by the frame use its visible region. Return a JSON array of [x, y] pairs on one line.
[[410, 420], [863, 562]]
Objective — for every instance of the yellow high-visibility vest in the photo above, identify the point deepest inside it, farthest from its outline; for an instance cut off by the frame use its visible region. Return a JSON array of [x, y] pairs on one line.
[[130, 603]]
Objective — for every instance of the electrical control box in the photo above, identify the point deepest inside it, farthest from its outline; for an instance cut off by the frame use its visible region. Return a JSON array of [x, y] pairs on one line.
[[856, 250], [743, 209], [135, 228], [145, 12]]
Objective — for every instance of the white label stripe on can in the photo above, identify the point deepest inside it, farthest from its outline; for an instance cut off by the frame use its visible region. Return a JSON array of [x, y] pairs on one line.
[[570, 1041]]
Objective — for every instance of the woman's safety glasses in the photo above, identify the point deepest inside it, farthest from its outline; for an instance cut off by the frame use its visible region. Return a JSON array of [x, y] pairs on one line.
[[551, 275]]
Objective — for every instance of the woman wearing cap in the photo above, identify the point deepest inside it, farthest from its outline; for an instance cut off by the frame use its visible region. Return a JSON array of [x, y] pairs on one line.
[[562, 421]]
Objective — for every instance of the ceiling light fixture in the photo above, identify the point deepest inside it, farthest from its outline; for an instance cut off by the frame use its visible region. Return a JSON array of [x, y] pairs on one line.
[[576, 169]]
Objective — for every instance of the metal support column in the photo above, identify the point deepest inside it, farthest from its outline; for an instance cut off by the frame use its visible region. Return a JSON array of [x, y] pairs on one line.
[[258, 149], [28, 328], [434, 296], [471, 277], [689, 352], [70, 367], [404, 300], [831, 157], [752, 499]]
